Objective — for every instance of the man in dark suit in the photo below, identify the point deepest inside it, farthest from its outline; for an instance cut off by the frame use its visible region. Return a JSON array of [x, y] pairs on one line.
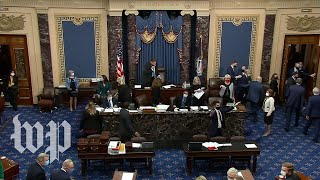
[[313, 113], [290, 81], [150, 72], [111, 101], [303, 73], [294, 69], [35, 170], [65, 172], [126, 130], [182, 101], [241, 91], [255, 97], [294, 103], [231, 70], [12, 90]]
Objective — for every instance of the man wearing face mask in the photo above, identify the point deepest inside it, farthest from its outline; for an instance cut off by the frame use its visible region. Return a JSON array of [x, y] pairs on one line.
[[65, 172], [35, 170], [287, 172], [313, 114], [294, 69], [231, 70], [241, 91], [255, 97], [231, 174], [290, 81], [216, 120], [111, 101], [182, 101], [274, 86], [12, 90]]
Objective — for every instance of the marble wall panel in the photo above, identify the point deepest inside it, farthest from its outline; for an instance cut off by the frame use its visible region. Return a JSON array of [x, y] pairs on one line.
[[45, 49], [132, 46], [114, 36], [186, 40], [267, 47], [203, 25]]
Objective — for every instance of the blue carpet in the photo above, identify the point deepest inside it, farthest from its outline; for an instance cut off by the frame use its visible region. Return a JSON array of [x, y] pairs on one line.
[[170, 163]]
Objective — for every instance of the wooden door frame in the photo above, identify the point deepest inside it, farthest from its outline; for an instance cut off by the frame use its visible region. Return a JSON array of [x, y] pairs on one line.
[[14, 45], [293, 39]]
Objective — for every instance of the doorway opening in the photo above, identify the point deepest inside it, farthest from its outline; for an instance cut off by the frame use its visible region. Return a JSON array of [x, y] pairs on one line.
[[303, 49]]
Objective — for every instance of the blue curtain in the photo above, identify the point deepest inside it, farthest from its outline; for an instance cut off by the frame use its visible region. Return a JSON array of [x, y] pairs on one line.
[[166, 53]]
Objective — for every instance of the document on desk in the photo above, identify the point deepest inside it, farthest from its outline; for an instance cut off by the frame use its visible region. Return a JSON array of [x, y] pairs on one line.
[[168, 86], [62, 86], [250, 146], [127, 176], [198, 94], [133, 111], [108, 110], [226, 144], [136, 145], [100, 109], [240, 174]]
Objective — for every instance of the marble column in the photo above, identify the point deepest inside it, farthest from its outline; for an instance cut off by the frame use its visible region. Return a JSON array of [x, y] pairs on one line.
[[45, 49], [203, 25], [186, 40], [132, 46], [267, 48], [114, 32]]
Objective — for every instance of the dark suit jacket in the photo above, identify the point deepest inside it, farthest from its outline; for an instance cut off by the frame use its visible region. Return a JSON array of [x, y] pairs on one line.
[[126, 129], [274, 86], [178, 101], [15, 81], [124, 94], [256, 92], [114, 101], [148, 75], [243, 80], [295, 96], [290, 72], [231, 72], [35, 172], [91, 123], [59, 174], [290, 82], [313, 106], [197, 102]]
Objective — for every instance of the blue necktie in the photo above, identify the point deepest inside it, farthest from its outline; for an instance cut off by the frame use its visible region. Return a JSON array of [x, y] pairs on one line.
[[153, 73], [183, 104]]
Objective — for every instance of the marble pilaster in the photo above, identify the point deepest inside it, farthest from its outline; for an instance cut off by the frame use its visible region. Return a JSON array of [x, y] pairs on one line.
[[186, 40]]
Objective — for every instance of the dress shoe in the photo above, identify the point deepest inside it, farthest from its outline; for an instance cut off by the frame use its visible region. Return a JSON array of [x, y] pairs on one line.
[[286, 129]]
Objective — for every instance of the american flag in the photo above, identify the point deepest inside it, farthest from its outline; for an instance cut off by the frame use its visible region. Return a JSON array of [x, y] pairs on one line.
[[120, 72]]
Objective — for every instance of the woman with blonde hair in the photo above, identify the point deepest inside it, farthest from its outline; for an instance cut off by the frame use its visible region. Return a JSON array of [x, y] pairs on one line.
[[196, 83], [91, 122]]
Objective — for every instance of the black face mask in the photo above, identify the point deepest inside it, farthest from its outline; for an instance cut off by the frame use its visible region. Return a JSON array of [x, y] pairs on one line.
[[218, 107], [243, 70], [276, 78]]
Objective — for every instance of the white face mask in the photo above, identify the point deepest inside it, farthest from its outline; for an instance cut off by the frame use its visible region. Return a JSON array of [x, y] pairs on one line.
[[12, 74], [185, 95], [283, 173], [267, 94], [72, 74], [109, 98]]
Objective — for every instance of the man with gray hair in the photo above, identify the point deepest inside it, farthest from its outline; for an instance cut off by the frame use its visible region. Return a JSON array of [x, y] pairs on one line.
[[231, 174], [65, 172], [294, 102], [255, 98], [313, 113], [35, 170]]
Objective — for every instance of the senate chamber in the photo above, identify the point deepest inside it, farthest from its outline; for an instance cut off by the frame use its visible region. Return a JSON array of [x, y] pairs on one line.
[[167, 89]]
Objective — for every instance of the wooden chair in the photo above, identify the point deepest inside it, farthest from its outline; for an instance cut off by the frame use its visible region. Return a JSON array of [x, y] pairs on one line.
[[199, 138], [302, 176], [46, 99], [237, 139], [219, 139], [242, 159]]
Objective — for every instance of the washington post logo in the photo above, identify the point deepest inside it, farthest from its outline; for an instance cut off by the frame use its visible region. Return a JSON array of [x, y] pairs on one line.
[[54, 128]]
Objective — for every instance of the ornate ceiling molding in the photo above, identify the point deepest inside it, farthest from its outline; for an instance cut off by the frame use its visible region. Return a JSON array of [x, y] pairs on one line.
[[303, 24], [11, 23]]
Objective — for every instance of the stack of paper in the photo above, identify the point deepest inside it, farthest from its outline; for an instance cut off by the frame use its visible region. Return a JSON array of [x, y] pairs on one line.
[[62, 86], [136, 145], [162, 108], [194, 108], [108, 110], [168, 86], [133, 111], [127, 176], [183, 110], [147, 108], [210, 144], [204, 108], [198, 94], [250, 146], [100, 109], [116, 109], [137, 86]]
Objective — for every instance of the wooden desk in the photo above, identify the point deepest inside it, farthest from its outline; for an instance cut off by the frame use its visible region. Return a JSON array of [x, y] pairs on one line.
[[237, 149], [247, 174], [11, 169], [134, 154], [165, 94], [118, 175]]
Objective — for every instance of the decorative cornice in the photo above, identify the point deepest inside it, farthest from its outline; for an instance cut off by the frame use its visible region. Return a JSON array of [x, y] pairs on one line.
[[187, 12], [11, 23], [135, 12], [303, 24]]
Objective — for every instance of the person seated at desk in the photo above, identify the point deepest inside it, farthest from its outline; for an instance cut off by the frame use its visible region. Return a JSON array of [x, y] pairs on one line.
[[126, 130], [111, 101], [227, 90], [124, 91], [182, 101], [287, 172], [91, 122], [156, 85], [72, 85], [150, 72], [104, 87]]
